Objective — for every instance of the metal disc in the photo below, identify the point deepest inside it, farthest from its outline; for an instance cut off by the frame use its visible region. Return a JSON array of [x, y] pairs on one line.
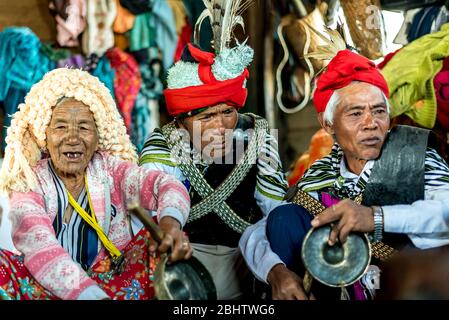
[[183, 280], [337, 265]]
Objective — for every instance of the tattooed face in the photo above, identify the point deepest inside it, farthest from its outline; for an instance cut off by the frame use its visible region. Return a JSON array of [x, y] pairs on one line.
[[72, 137], [214, 126]]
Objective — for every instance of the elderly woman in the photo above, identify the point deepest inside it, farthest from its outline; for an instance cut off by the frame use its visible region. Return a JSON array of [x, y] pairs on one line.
[[70, 172]]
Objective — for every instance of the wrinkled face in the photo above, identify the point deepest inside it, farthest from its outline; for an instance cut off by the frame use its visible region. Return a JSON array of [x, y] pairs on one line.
[[72, 137], [361, 121], [211, 130]]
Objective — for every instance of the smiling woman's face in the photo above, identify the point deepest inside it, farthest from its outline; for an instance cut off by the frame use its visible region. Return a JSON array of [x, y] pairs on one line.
[[72, 137]]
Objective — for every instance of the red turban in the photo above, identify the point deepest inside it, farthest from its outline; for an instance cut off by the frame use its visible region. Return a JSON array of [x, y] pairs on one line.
[[344, 68], [212, 92]]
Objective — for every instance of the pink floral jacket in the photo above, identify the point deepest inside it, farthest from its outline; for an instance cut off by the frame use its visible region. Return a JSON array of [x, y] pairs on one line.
[[111, 181]]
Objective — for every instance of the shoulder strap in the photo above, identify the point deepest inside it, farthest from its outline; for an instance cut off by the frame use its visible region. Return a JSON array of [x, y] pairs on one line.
[[214, 200]]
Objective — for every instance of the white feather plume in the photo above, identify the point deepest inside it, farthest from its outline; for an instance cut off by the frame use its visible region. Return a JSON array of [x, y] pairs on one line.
[[224, 15]]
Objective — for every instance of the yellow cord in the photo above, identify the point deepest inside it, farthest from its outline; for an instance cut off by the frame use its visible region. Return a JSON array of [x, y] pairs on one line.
[[92, 221]]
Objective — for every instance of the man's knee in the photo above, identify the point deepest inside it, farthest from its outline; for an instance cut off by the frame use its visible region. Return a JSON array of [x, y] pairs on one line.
[[288, 217]]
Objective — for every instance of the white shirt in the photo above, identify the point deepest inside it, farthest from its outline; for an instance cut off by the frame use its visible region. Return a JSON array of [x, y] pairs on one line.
[[426, 222]]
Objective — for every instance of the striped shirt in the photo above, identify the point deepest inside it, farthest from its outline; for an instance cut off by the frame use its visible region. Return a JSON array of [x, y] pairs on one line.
[[326, 173], [76, 236]]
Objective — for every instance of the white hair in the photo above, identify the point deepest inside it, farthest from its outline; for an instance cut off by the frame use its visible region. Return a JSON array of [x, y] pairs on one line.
[[26, 137], [335, 100]]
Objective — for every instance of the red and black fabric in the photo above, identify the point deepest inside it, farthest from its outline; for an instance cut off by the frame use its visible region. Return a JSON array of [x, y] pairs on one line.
[[344, 68]]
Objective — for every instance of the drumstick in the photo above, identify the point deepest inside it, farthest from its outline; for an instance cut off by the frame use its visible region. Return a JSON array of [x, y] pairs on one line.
[[155, 231]]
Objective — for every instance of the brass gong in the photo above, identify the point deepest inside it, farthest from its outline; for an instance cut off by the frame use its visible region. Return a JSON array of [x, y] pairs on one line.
[[180, 280], [339, 265], [183, 280]]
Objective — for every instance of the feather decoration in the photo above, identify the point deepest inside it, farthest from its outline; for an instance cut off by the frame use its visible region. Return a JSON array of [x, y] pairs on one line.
[[224, 16], [334, 39]]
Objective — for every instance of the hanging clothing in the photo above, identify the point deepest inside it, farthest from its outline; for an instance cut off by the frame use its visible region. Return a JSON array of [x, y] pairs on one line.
[[441, 18], [126, 82], [91, 62], [121, 41], [144, 119], [22, 64], [143, 33], [402, 35], [75, 61], [156, 28], [21, 61], [105, 73], [422, 22], [410, 75], [53, 53], [137, 7], [441, 84], [70, 16], [180, 14], [141, 117], [124, 20], [99, 37], [320, 145]]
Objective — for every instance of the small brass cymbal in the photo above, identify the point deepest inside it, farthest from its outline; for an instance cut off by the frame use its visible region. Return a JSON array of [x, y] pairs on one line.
[[338, 265]]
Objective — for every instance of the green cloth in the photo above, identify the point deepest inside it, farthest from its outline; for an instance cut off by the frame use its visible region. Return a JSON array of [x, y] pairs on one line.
[[143, 34], [54, 53], [410, 75]]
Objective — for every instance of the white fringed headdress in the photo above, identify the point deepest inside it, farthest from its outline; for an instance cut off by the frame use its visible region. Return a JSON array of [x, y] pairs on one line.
[[26, 138], [224, 16]]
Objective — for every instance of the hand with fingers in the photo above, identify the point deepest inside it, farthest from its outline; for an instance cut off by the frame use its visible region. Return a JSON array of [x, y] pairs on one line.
[[285, 284], [347, 216], [174, 240]]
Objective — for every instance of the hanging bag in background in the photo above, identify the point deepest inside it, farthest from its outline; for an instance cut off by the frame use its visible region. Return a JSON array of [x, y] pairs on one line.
[[400, 5], [366, 27], [303, 41]]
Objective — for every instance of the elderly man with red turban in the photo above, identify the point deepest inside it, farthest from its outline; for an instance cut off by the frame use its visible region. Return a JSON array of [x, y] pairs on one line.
[[387, 183]]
